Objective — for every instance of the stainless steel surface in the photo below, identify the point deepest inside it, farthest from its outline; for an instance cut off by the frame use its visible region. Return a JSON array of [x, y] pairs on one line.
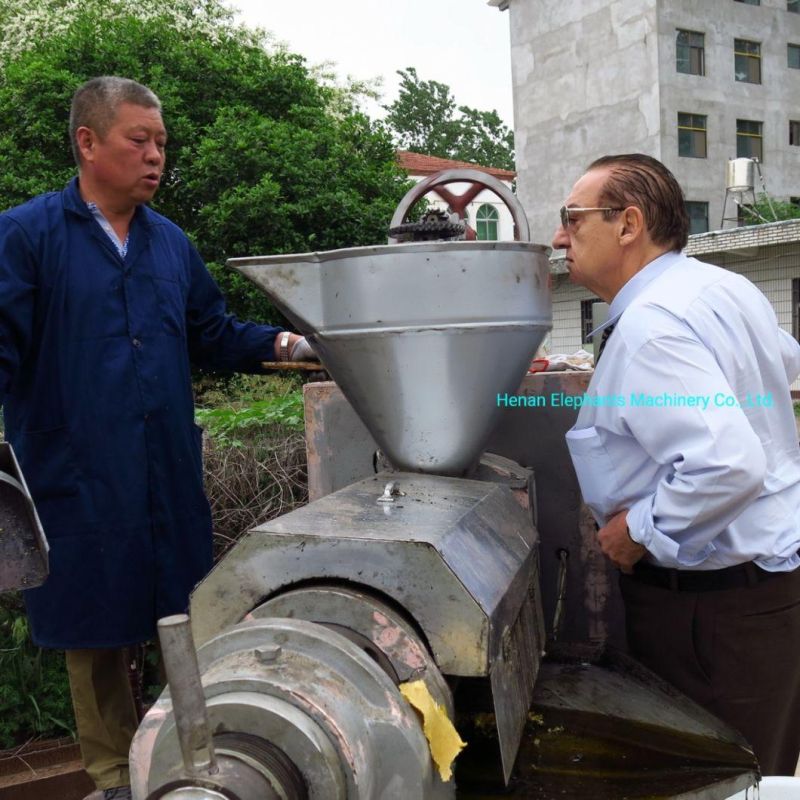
[[23, 546], [340, 452], [186, 690], [421, 337], [321, 700], [740, 175], [457, 555], [521, 228]]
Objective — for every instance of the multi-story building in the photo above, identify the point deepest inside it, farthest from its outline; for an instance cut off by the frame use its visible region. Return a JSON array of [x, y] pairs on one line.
[[691, 82]]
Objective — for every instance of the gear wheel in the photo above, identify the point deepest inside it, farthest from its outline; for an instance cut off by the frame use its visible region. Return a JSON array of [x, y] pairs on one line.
[[433, 226]]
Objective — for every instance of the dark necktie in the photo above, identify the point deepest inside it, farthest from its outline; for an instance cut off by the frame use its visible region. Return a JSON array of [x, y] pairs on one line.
[[606, 334]]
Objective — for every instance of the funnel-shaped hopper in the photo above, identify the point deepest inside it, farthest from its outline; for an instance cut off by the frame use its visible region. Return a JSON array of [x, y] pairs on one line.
[[421, 338]]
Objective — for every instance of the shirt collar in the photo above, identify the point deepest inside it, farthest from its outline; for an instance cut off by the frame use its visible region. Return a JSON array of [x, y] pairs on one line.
[[74, 202], [635, 286]]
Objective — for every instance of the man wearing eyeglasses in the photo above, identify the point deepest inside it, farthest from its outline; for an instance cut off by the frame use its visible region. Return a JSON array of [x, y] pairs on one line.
[[695, 480]]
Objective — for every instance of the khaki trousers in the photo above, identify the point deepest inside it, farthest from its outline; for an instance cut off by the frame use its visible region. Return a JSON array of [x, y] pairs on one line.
[[105, 713], [736, 652]]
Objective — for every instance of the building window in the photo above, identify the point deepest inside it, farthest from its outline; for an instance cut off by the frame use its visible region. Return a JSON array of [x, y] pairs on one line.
[[691, 135], [747, 61], [690, 52], [749, 139], [796, 308], [587, 319], [749, 2], [794, 56], [794, 132], [793, 6], [698, 216], [486, 220]]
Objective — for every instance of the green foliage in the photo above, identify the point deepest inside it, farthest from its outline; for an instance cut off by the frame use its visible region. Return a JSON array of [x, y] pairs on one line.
[[426, 119], [34, 692], [264, 156], [770, 210], [229, 425]]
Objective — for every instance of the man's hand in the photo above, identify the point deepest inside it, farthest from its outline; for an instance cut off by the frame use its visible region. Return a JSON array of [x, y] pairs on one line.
[[617, 545]]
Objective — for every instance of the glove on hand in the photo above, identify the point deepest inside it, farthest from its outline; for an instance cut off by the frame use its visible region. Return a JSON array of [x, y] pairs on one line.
[[302, 351]]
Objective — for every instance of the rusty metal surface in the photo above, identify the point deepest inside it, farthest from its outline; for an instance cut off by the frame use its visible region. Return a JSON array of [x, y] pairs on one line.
[[379, 629], [314, 694], [45, 770], [23, 546], [420, 367]]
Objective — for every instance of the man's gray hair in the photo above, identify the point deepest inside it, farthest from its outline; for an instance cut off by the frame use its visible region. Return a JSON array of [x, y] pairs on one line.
[[95, 104]]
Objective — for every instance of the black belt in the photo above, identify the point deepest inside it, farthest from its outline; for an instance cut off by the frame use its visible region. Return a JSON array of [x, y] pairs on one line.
[[711, 580]]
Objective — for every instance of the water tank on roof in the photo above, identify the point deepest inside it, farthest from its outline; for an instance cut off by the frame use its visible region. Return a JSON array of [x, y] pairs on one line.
[[741, 175]]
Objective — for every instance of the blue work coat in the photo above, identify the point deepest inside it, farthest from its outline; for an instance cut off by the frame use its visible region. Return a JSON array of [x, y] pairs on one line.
[[95, 380]]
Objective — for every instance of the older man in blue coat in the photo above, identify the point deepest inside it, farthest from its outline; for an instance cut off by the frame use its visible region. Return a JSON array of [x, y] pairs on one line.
[[104, 304]]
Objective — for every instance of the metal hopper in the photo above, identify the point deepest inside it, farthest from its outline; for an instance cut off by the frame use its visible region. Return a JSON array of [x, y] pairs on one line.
[[421, 337]]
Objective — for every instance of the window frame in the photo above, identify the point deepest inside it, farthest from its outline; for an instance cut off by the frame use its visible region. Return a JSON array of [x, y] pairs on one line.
[[587, 318], [691, 124], [748, 2], [796, 308], [794, 133], [485, 220], [692, 49], [750, 59], [695, 204], [742, 136]]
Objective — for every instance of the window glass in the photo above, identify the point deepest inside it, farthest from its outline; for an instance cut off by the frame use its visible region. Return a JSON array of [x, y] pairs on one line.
[[794, 56], [690, 52], [747, 61], [486, 220], [749, 139], [698, 216], [793, 6], [794, 132], [691, 135], [749, 2], [796, 308]]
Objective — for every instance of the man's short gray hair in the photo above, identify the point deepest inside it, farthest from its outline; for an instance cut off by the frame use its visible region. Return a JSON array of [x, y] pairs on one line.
[[95, 104]]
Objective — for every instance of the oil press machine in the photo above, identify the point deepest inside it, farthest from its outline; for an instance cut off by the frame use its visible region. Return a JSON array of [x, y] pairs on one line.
[[331, 641]]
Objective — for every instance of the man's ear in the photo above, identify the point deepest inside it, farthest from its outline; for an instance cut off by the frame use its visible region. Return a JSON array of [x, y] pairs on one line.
[[631, 225], [86, 139]]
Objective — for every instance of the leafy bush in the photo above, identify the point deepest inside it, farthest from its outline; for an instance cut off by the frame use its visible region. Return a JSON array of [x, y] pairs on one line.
[[233, 425], [34, 692]]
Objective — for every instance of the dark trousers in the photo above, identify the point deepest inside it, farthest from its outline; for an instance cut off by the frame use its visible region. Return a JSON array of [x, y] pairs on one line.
[[736, 652]]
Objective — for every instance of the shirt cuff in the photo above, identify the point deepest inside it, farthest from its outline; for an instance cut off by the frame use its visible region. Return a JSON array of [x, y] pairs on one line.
[[665, 551]]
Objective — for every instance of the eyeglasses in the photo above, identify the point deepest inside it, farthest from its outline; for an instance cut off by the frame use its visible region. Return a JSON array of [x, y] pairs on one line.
[[566, 212]]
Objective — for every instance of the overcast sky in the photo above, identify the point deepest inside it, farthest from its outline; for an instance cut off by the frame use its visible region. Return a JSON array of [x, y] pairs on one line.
[[463, 43]]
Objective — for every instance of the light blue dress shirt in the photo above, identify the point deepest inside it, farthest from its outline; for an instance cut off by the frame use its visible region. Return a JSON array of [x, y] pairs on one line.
[[688, 421]]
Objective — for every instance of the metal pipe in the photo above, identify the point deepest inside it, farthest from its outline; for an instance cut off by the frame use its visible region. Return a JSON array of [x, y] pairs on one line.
[[186, 690]]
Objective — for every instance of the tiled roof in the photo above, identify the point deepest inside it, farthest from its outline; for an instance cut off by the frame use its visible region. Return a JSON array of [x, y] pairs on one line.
[[419, 164]]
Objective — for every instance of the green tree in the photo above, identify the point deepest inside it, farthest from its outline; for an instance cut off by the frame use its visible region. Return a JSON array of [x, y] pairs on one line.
[[264, 156], [425, 119]]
